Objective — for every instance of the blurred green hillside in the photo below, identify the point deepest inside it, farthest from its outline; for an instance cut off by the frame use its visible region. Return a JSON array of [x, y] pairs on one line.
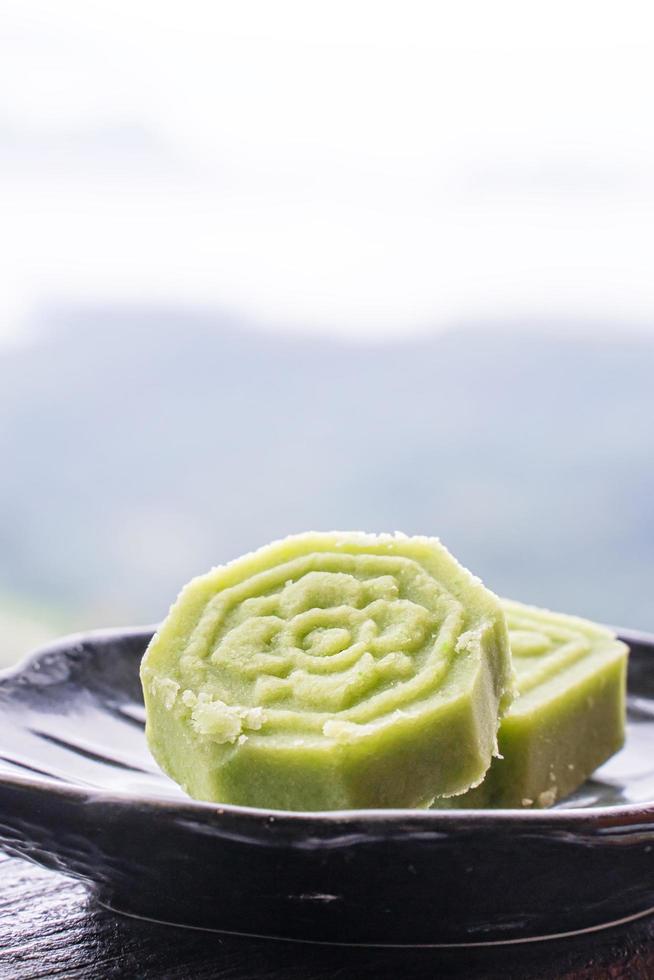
[[24, 627], [141, 447]]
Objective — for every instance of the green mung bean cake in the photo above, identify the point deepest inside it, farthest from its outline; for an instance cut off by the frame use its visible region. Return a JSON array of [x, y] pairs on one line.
[[330, 671], [568, 717]]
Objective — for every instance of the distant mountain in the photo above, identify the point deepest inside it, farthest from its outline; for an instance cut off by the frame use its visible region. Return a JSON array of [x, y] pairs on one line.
[[140, 447]]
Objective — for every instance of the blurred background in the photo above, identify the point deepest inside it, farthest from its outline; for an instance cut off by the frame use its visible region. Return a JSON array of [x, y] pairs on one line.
[[273, 267]]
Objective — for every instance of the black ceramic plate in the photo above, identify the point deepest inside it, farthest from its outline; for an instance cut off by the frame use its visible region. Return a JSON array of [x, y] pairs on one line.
[[80, 793]]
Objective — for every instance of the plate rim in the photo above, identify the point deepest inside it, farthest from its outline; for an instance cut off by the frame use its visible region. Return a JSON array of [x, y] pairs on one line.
[[592, 816]]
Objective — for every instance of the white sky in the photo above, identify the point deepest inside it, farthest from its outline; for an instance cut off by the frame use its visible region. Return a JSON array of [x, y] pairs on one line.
[[349, 165]]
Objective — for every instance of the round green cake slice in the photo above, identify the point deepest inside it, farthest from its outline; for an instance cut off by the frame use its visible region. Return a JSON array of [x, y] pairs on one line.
[[329, 671], [568, 718]]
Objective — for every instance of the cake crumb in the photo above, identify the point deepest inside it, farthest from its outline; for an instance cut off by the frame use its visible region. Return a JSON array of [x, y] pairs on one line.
[[253, 718], [216, 720], [166, 689], [547, 797]]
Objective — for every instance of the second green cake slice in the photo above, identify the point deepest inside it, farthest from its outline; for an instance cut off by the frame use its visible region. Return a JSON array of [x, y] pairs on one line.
[[569, 715]]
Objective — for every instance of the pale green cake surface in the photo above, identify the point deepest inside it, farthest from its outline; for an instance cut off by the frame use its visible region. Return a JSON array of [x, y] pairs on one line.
[[329, 671], [568, 717]]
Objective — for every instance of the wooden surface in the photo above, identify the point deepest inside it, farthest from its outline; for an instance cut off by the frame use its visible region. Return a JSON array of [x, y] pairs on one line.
[[49, 927]]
